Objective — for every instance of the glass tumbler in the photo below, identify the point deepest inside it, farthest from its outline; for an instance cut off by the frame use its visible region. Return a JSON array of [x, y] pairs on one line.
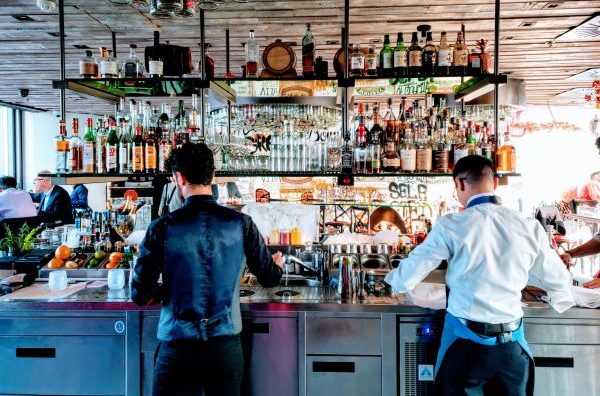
[[116, 279], [57, 280]]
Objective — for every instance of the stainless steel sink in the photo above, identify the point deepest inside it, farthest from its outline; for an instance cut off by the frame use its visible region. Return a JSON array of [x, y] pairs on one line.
[[300, 282]]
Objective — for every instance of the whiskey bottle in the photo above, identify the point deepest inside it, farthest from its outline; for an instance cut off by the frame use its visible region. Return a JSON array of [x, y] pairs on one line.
[[76, 152], [89, 148], [189, 9], [386, 57], [371, 62], [252, 56], [390, 122], [137, 151], [429, 56], [360, 151], [444, 56], [408, 152], [357, 62], [375, 139], [88, 67], [112, 149], [415, 56], [460, 56], [109, 68], [424, 153], [61, 149], [101, 136], [441, 148], [506, 156], [400, 57], [460, 147], [308, 53], [133, 66]]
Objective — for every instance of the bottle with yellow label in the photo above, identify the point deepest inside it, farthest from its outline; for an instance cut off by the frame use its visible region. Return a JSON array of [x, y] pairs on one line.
[[296, 238]]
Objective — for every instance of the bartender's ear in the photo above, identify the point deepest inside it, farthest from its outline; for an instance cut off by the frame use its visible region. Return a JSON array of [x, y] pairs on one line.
[[180, 178], [495, 182], [459, 183]]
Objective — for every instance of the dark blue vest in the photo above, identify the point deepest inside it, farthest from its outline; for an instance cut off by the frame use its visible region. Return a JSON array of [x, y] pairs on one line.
[[204, 251]]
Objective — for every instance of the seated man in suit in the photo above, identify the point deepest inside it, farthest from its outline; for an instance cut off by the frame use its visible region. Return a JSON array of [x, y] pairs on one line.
[[223, 191], [55, 202], [14, 203]]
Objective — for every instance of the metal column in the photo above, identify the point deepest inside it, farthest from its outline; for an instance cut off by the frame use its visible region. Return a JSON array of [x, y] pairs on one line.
[[202, 75], [496, 69], [345, 39], [61, 29]]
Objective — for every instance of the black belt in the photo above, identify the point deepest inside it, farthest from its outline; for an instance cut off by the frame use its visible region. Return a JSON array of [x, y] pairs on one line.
[[493, 329]]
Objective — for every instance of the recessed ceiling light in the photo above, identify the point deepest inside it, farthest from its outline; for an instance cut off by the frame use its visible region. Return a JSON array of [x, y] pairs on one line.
[[55, 34], [23, 18], [332, 42], [81, 46], [507, 38], [527, 24]]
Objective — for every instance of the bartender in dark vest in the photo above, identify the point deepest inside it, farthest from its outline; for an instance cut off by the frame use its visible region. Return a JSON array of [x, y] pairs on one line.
[[199, 249], [492, 253]]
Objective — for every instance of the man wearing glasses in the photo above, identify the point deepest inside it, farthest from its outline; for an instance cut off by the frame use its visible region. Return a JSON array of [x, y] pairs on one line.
[[492, 253], [54, 201]]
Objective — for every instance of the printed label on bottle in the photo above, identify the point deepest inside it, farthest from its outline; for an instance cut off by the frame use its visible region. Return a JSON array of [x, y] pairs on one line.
[[88, 157], [444, 58], [109, 68], [391, 162], [461, 58], [460, 153], [440, 161], [357, 62], [415, 58], [61, 160], [88, 68], [155, 67], [476, 62], [138, 158], [429, 58], [111, 158], [388, 60], [347, 156], [424, 160], [371, 63], [400, 59], [409, 159], [150, 157], [123, 158], [163, 155], [130, 69]]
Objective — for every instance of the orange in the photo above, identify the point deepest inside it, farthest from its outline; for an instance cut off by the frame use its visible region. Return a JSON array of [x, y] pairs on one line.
[[112, 264], [56, 263], [63, 252], [115, 257]]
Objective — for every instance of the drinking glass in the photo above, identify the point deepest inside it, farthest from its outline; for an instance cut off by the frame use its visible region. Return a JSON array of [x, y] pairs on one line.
[[57, 280], [116, 279]]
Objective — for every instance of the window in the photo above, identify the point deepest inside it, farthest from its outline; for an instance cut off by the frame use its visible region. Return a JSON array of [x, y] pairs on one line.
[[6, 140]]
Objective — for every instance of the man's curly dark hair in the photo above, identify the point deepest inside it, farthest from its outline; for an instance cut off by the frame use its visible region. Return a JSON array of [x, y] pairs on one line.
[[194, 161]]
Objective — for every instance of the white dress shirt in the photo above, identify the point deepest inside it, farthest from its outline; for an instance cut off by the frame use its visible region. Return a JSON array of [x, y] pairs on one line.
[[493, 253], [16, 203], [46, 198]]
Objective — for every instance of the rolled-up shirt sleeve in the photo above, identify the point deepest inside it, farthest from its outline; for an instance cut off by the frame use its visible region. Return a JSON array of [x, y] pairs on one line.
[[549, 273], [421, 261], [258, 257], [145, 288]]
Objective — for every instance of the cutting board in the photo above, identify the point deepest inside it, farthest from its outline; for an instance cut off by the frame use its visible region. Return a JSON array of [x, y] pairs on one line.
[[40, 291]]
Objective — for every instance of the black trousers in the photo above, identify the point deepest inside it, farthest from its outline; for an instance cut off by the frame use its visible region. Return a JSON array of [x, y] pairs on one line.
[[186, 367], [473, 369]]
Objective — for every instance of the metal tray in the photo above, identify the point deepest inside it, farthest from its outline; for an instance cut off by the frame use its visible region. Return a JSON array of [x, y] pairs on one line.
[[81, 272]]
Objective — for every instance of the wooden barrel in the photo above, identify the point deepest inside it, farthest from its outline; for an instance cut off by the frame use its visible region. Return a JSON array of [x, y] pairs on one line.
[[279, 58]]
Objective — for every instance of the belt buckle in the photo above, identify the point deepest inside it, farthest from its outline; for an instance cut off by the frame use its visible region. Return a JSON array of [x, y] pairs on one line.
[[204, 321], [504, 338]]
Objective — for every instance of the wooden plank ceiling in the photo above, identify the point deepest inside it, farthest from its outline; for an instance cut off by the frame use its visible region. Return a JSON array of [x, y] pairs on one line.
[[29, 54]]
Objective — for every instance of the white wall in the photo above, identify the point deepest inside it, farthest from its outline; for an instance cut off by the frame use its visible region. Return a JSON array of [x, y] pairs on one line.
[[39, 132]]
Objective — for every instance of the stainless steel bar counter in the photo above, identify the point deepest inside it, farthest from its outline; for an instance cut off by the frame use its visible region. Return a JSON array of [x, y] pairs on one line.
[[97, 342]]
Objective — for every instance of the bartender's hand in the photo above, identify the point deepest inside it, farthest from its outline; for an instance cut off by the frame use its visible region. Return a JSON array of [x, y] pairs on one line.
[[566, 258], [278, 259], [593, 284]]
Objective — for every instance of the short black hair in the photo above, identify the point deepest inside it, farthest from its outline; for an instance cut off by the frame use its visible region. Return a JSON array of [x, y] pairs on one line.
[[598, 142], [473, 169], [8, 182], [194, 161]]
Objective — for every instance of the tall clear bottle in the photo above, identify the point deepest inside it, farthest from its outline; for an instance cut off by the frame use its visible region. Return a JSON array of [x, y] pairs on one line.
[[375, 141], [194, 121], [124, 146], [408, 152], [252, 55], [61, 149], [76, 151], [89, 148], [101, 136]]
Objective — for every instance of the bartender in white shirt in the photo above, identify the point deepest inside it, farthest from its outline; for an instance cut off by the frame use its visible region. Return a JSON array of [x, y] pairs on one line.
[[492, 253]]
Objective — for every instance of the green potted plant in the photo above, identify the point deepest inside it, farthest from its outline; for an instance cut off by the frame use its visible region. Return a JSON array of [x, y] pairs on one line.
[[20, 242]]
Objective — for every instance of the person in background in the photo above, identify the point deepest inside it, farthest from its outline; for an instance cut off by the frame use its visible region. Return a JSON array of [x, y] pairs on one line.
[[14, 203], [170, 200], [54, 201], [589, 248], [199, 250], [223, 192], [591, 190], [79, 197], [492, 253]]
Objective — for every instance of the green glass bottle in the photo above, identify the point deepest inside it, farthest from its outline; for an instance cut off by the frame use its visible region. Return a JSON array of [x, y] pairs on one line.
[[386, 57], [400, 57], [112, 149]]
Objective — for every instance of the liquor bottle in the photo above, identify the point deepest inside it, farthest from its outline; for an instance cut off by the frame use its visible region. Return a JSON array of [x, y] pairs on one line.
[[444, 56], [429, 56], [460, 147], [506, 156], [471, 139], [360, 151], [61, 145], [408, 152], [386, 57], [209, 63], [155, 12], [112, 149], [400, 57], [308, 53], [124, 147], [371, 62], [155, 66], [182, 136], [390, 122], [151, 151], [165, 145], [424, 153], [194, 121], [376, 134], [440, 149], [88, 67], [415, 56], [487, 146], [252, 56], [137, 151], [101, 136], [174, 6], [475, 62], [357, 62], [89, 148], [109, 68], [133, 66], [460, 56], [76, 153], [189, 9]]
